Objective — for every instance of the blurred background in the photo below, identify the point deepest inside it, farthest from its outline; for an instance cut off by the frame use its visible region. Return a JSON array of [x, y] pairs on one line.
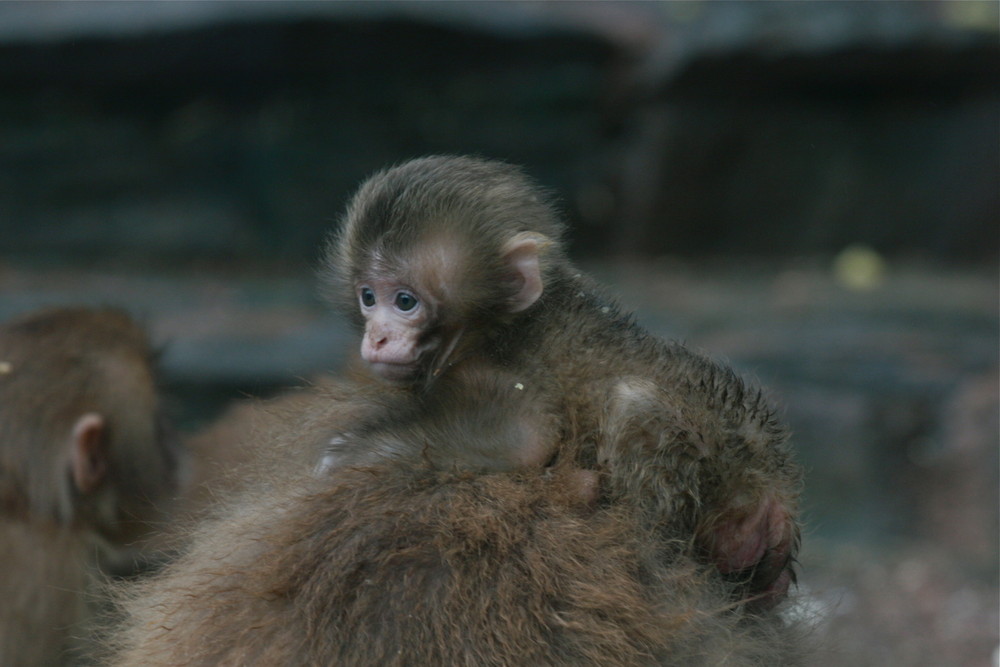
[[809, 190]]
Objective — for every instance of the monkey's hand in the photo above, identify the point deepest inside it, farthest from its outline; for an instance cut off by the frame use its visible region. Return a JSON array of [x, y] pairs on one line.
[[755, 545]]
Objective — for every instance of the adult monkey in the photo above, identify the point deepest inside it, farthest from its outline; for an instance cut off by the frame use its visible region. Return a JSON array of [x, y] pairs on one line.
[[387, 564], [84, 468], [454, 266]]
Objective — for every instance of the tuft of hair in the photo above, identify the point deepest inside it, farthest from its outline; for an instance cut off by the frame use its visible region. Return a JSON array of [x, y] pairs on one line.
[[442, 222]]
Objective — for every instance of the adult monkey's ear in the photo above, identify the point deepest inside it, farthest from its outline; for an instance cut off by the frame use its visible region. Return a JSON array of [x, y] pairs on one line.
[[522, 254], [88, 452]]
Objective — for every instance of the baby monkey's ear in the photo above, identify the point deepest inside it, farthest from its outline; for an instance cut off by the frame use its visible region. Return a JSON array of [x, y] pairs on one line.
[[522, 254]]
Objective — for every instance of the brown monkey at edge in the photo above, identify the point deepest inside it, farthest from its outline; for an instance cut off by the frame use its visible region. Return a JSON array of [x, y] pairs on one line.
[[451, 264], [84, 468]]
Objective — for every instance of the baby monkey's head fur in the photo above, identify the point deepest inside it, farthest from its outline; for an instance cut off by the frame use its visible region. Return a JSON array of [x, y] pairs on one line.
[[464, 234]]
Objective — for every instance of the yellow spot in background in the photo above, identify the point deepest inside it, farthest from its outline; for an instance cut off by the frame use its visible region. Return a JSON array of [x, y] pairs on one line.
[[519, 386], [978, 15], [5, 367], [859, 267]]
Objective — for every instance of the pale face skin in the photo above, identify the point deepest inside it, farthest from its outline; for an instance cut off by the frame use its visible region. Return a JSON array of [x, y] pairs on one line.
[[395, 318], [399, 317]]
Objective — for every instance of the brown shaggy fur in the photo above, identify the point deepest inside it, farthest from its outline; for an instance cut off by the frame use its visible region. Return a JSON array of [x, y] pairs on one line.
[[394, 566]]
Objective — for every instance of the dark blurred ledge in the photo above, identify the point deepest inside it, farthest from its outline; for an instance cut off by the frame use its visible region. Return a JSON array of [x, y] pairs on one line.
[[166, 132]]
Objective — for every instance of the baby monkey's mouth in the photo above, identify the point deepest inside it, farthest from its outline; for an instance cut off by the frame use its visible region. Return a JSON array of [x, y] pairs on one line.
[[428, 366]]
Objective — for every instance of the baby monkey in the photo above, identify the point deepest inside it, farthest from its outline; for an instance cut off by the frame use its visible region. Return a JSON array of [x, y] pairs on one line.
[[432, 279], [454, 269]]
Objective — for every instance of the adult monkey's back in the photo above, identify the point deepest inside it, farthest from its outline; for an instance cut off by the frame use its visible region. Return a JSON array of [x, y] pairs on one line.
[[390, 565]]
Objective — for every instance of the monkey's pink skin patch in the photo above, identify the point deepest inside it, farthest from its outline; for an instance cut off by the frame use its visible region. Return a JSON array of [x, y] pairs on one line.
[[758, 544], [744, 542]]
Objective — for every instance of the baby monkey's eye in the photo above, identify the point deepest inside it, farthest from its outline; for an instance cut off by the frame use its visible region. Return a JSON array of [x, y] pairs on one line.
[[367, 297], [405, 301]]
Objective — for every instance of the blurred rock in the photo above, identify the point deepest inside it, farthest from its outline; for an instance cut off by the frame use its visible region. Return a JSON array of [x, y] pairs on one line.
[[782, 128], [911, 607], [959, 505], [162, 131], [175, 131]]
